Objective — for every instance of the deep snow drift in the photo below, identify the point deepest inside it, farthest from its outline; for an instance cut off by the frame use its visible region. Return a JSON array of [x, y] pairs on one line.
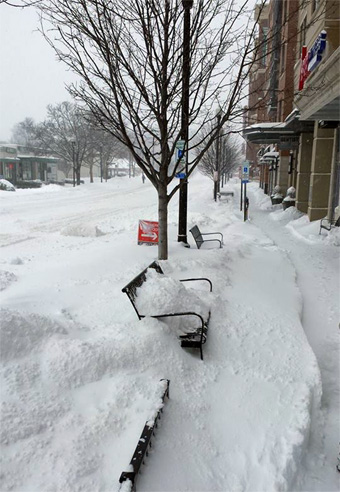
[[80, 374]]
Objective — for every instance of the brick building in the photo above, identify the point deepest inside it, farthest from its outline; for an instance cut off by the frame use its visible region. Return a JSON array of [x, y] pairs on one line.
[[302, 99]]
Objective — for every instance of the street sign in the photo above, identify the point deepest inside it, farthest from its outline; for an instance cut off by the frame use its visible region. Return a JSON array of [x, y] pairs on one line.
[[245, 172], [147, 232], [180, 144], [180, 175], [180, 151]]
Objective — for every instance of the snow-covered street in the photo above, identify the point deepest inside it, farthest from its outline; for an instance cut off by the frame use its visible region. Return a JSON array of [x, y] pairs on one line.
[[80, 374]]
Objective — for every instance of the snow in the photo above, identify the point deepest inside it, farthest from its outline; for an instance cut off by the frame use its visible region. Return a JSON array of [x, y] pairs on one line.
[[267, 125], [163, 295], [81, 374], [6, 185]]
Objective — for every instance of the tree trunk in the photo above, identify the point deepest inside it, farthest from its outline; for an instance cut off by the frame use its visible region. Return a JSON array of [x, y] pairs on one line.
[[162, 222], [91, 171], [78, 175]]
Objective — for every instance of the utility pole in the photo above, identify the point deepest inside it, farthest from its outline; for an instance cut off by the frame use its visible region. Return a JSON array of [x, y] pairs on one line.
[[183, 191]]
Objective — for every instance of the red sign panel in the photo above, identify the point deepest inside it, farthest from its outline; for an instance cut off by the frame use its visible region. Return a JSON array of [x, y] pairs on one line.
[[304, 68], [147, 232]]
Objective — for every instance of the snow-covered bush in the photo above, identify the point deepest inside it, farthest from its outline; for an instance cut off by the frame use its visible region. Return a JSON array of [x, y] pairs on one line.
[[6, 185]]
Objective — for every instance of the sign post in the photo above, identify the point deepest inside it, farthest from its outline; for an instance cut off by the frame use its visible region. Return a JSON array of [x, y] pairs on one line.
[[244, 181], [147, 232]]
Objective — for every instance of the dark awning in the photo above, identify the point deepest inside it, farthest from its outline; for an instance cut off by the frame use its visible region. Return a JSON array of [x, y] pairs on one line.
[[267, 133]]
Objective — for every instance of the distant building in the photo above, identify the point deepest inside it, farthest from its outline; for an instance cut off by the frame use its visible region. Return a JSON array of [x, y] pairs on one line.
[[18, 163]]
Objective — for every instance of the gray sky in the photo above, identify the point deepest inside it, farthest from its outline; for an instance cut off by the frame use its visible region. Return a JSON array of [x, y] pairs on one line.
[[30, 76]]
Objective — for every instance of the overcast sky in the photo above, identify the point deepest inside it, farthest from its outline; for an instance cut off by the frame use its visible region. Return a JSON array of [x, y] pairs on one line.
[[30, 76]]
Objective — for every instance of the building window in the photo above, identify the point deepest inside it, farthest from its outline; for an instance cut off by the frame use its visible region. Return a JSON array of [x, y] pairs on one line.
[[284, 12], [279, 111], [303, 28], [264, 46], [315, 5], [282, 56]]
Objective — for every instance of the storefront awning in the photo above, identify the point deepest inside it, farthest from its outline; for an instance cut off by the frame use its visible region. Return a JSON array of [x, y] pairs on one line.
[[273, 132]]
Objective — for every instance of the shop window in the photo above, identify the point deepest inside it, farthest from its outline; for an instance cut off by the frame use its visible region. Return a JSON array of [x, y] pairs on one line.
[[26, 170]]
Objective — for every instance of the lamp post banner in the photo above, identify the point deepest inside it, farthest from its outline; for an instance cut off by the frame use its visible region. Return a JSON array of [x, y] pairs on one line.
[[147, 232]]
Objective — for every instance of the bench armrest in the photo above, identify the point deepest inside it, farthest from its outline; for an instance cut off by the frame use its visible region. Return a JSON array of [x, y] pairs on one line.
[[212, 234], [185, 313], [198, 278]]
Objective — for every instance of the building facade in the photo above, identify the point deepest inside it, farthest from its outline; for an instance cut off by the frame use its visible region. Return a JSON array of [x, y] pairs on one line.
[[19, 163], [302, 98]]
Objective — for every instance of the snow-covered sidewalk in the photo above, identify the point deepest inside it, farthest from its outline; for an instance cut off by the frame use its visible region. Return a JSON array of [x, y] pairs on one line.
[[80, 374]]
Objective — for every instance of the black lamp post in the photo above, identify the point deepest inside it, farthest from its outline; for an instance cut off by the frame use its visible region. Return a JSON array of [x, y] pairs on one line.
[[183, 192]]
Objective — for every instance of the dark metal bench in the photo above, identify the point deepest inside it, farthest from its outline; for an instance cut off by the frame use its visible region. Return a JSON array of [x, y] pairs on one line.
[[191, 339], [144, 443], [225, 193], [328, 224], [198, 236]]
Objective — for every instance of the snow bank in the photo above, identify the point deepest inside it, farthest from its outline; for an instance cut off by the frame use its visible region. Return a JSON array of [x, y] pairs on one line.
[[82, 230], [6, 278], [20, 334], [79, 383], [291, 213], [16, 261], [310, 232], [262, 201]]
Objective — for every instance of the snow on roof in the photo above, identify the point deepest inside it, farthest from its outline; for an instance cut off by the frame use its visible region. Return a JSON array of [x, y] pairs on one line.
[[270, 155], [294, 114], [45, 157], [267, 126], [119, 163]]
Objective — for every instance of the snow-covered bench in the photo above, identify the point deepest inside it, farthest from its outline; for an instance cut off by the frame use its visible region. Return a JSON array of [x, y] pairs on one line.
[[327, 224], [225, 193], [198, 236], [144, 442], [192, 336]]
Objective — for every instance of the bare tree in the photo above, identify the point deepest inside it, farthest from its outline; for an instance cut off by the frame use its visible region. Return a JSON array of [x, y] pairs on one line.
[[103, 147], [66, 134], [225, 162], [20, 3], [25, 133], [128, 54]]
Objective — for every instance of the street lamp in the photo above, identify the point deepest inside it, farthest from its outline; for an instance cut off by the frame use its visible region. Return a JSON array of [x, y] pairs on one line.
[[183, 191]]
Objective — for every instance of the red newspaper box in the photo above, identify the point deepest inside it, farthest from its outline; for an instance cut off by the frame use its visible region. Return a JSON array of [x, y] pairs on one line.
[[147, 232]]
